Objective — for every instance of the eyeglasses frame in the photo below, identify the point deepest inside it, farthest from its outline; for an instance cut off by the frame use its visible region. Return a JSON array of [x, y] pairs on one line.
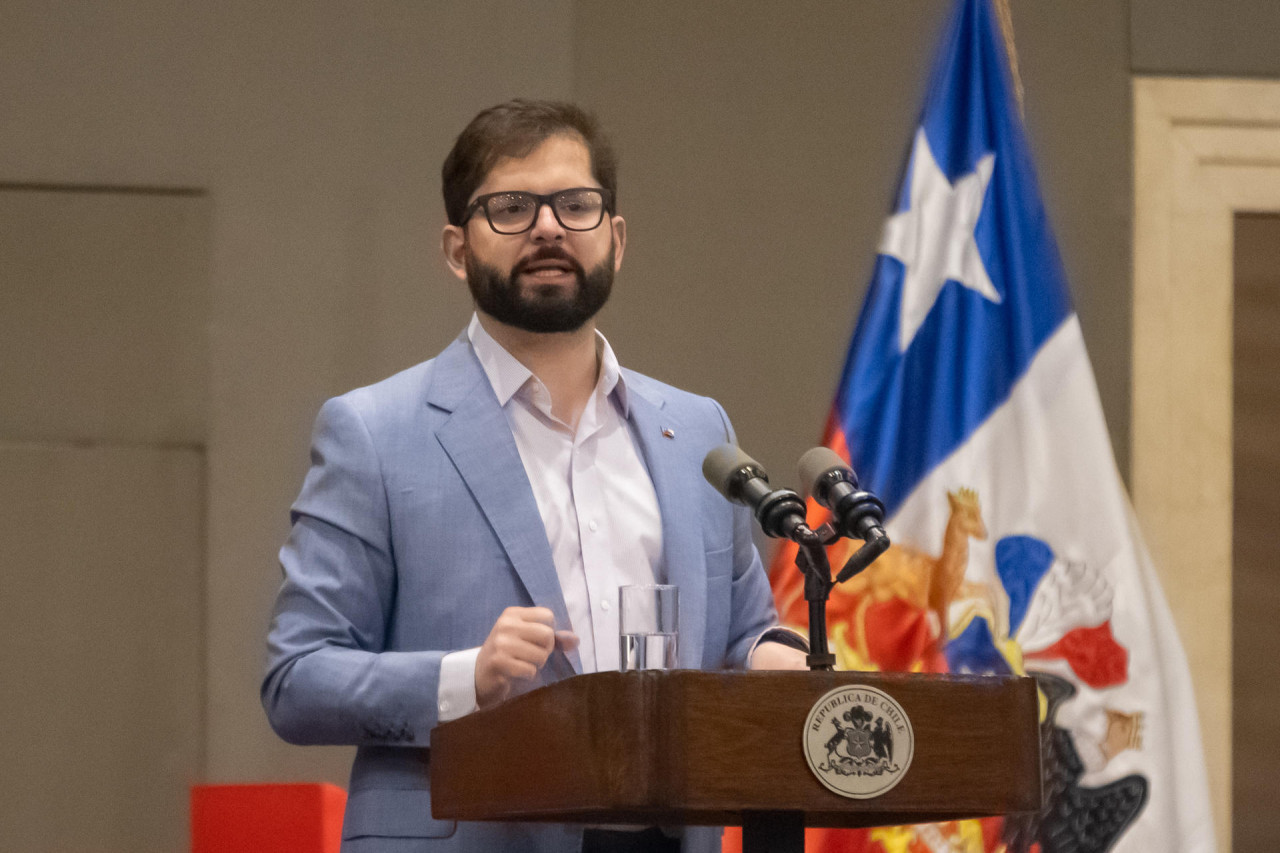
[[479, 204]]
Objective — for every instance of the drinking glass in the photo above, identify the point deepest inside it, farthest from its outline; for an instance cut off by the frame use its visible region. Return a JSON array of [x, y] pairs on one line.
[[648, 619]]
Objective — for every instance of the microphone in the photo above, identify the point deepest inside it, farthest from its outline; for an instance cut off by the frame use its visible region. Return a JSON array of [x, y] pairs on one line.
[[831, 482], [743, 480]]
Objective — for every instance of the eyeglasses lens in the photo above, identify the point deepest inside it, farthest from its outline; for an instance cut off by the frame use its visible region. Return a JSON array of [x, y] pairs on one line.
[[578, 209], [511, 212]]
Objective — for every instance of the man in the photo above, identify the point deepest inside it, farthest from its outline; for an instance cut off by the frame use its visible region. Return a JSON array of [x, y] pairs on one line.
[[465, 524]]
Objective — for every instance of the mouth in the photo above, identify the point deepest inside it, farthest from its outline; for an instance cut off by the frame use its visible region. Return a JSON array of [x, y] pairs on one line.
[[548, 270]]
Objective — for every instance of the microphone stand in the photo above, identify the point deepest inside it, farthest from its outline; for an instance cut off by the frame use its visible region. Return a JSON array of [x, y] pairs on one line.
[[811, 560]]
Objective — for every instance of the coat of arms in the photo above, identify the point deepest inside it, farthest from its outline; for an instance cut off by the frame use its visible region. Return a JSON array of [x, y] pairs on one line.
[[858, 741]]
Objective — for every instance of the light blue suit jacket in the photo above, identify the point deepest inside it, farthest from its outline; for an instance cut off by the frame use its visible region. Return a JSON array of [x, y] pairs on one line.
[[415, 527]]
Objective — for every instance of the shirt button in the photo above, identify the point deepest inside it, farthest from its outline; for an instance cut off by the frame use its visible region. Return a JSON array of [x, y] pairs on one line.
[[593, 525], [444, 707], [604, 604]]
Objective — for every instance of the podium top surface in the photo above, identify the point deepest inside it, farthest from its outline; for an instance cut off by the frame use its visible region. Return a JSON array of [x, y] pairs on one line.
[[689, 747]]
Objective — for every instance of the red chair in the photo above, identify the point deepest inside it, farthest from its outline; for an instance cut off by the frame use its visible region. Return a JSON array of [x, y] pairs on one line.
[[299, 818]]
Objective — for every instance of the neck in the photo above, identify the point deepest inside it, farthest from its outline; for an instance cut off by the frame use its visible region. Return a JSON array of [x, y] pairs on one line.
[[566, 362]]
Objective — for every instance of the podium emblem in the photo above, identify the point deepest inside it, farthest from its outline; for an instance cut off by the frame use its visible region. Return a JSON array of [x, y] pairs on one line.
[[858, 741]]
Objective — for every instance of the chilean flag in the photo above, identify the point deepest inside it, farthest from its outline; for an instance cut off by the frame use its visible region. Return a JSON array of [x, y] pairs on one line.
[[967, 404]]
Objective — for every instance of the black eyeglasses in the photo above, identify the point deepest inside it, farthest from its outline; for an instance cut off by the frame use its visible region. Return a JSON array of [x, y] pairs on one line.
[[577, 209]]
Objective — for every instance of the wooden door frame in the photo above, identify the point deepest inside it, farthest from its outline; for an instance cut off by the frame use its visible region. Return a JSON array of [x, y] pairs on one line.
[[1204, 150]]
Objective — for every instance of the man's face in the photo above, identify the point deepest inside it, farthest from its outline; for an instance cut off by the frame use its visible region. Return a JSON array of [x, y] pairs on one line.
[[547, 279]]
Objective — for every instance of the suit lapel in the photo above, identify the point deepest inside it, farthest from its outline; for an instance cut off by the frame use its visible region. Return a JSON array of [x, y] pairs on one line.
[[479, 442], [676, 476]]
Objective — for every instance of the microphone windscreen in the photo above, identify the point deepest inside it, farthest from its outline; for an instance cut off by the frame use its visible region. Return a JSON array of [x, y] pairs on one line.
[[813, 464], [722, 463]]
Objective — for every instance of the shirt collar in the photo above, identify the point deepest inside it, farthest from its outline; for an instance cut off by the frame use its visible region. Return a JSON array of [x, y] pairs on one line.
[[507, 375]]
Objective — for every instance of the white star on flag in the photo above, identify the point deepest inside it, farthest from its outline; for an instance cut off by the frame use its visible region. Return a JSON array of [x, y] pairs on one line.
[[933, 237]]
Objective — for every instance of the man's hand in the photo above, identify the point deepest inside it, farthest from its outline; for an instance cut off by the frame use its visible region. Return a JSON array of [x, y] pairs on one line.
[[777, 656], [521, 641]]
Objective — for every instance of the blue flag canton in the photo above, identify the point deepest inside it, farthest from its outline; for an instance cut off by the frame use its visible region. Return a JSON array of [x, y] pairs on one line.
[[969, 283]]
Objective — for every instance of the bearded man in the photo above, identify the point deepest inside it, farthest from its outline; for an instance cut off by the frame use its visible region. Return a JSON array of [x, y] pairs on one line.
[[465, 525]]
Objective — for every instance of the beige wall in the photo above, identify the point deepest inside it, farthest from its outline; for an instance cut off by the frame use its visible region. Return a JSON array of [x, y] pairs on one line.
[[103, 358], [104, 683], [761, 145], [1205, 37], [316, 131]]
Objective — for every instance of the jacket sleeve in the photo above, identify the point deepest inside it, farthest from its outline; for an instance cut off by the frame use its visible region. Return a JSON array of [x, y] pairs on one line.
[[329, 679]]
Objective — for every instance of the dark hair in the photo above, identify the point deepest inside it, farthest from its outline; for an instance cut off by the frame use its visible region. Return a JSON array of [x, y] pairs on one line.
[[515, 129]]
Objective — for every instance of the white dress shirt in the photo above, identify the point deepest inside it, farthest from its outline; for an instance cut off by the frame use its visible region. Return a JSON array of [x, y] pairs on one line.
[[596, 500]]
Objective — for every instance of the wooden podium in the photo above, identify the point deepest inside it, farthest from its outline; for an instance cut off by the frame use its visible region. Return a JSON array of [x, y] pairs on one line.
[[725, 748]]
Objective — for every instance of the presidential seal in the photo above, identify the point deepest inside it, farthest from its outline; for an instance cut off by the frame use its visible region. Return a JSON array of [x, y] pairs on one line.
[[858, 741]]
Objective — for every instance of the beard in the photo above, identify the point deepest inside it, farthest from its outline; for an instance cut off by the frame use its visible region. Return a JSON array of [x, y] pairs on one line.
[[536, 307]]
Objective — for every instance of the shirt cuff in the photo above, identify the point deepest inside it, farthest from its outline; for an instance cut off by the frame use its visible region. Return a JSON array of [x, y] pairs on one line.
[[785, 636], [456, 696]]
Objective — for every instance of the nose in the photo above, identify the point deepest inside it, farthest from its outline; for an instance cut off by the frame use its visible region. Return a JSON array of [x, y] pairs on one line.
[[546, 228]]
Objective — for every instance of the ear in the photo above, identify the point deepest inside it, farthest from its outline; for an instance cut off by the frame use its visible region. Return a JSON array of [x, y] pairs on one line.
[[453, 242], [619, 226]]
